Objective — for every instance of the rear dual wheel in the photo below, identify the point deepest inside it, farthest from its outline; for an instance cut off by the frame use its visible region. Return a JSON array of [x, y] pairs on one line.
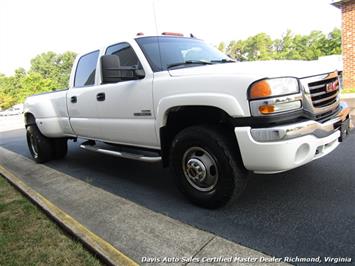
[[44, 149]]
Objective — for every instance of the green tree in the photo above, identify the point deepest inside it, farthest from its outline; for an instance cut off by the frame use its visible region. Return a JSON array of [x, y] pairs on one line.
[[286, 47], [34, 83], [257, 47], [49, 71], [222, 47], [289, 46], [334, 42], [54, 66]]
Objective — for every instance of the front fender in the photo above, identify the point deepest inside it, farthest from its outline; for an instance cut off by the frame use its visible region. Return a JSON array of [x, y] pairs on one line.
[[225, 102]]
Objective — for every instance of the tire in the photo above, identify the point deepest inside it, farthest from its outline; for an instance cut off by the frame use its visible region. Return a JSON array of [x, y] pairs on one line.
[[60, 148], [207, 166], [41, 147]]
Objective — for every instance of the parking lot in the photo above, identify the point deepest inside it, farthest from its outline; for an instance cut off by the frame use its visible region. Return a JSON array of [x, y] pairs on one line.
[[306, 212]]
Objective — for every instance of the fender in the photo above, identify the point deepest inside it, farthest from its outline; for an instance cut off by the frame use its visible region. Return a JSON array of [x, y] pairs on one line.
[[50, 113], [225, 102]]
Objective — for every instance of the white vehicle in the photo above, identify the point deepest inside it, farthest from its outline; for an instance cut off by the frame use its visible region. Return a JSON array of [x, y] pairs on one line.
[[15, 110], [180, 101]]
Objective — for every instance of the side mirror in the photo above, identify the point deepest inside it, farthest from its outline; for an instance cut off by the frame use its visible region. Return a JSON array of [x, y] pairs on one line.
[[113, 72]]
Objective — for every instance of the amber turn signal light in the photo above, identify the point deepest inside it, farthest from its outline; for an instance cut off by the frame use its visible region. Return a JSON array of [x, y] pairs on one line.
[[260, 89], [267, 109]]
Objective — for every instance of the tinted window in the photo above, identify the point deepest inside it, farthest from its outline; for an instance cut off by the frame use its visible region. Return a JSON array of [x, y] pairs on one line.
[[164, 51], [126, 54], [86, 69]]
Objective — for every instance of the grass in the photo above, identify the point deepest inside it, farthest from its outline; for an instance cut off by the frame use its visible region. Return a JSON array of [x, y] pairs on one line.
[[348, 90], [29, 237]]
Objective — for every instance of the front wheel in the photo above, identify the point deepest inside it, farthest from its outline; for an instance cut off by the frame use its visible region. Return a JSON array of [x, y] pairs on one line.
[[207, 167]]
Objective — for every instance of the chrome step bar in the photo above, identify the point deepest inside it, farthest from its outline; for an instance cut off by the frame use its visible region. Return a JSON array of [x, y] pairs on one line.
[[137, 157]]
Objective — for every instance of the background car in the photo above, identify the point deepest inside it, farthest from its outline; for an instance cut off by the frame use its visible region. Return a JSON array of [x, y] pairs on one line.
[[15, 110]]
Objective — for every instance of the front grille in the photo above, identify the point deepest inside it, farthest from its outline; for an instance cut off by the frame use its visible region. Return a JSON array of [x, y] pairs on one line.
[[324, 92]]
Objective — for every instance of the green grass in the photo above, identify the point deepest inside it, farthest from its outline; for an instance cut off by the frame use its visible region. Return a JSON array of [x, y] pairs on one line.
[[28, 237], [348, 90]]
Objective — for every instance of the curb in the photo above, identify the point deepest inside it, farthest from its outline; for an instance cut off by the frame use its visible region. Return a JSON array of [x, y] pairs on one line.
[[96, 244]]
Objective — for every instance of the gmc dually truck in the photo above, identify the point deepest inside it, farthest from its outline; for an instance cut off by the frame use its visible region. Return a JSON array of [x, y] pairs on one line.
[[180, 101]]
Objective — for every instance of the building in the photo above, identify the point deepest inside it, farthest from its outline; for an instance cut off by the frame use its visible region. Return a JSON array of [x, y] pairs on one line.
[[348, 40]]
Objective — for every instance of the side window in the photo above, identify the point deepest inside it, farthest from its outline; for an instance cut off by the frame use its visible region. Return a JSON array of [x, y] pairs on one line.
[[86, 69], [126, 54]]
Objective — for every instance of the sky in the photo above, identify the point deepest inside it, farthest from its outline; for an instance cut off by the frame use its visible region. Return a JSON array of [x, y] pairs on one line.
[[28, 28]]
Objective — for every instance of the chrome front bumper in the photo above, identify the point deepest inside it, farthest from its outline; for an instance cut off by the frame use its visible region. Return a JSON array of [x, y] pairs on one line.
[[311, 127]]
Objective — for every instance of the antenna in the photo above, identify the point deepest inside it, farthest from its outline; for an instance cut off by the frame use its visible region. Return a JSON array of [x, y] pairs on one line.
[[155, 17], [156, 31]]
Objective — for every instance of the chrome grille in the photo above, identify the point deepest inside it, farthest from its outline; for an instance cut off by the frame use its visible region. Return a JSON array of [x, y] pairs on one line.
[[321, 94], [324, 92]]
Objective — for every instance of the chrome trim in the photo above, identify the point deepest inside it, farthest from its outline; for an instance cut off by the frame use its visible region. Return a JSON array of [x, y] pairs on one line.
[[126, 155], [318, 94], [311, 127], [325, 99], [255, 104], [307, 95]]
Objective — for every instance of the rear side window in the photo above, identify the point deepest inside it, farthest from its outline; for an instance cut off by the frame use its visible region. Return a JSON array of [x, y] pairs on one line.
[[86, 69], [126, 54]]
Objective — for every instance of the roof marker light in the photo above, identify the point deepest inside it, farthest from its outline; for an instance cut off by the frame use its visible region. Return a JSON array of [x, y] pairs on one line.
[[172, 33]]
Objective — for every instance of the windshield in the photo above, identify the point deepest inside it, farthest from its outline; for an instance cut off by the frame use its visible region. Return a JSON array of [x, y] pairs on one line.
[[176, 51]]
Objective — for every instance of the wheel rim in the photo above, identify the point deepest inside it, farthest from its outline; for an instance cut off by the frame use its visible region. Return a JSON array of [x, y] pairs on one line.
[[33, 146], [200, 169]]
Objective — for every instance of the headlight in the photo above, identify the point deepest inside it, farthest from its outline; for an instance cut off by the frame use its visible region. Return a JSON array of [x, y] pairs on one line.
[[273, 87], [273, 96]]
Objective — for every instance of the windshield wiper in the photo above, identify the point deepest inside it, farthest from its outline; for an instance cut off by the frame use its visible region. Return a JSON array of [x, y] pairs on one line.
[[224, 61], [190, 62]]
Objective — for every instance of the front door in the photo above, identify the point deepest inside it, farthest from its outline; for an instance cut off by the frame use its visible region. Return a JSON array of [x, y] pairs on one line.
[[127, 115]]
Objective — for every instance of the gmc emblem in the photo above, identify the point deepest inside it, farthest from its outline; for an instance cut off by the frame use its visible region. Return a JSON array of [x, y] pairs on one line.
[[332, 86]]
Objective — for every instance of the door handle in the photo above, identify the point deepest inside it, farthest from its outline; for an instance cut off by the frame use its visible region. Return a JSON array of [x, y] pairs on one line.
[[100, 96], [73, 99]]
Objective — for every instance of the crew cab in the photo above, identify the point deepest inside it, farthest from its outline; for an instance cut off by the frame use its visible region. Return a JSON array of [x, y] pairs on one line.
[[180, 101]]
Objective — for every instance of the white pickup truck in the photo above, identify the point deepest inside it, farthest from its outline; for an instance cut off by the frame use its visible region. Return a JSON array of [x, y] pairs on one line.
[[180, 101]]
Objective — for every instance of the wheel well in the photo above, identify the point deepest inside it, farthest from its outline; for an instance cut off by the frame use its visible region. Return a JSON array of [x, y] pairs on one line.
[[29, 119], [182, 117]]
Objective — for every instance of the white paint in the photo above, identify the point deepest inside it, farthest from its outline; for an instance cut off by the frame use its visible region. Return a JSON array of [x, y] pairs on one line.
[[279, 156]]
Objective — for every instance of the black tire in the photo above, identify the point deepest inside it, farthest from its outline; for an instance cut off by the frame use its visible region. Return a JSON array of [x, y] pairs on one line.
[[60, 148], [41, 147], [216, 155]]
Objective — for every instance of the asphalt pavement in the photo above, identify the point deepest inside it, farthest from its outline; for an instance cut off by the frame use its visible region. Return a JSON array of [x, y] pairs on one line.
[[306, 212]]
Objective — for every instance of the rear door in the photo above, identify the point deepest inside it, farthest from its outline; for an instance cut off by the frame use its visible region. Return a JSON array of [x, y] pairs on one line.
[[81, 98]]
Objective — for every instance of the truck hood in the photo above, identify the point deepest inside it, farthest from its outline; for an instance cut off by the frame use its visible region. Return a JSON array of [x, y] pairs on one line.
[[259, 69]]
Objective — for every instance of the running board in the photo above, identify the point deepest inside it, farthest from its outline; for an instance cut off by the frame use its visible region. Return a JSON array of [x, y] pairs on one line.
[[137, 157]]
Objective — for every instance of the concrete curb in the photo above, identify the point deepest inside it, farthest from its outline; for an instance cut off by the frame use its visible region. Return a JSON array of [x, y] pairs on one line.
[[100, 247]]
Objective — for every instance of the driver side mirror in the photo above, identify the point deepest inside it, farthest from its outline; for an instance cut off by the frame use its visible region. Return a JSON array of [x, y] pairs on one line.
[[113, 72]]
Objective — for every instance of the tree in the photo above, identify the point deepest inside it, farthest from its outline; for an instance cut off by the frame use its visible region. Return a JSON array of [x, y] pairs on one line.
[[49, 71], [222, 47], [334, 42], [289, 46], [34, 83], [258, 47], [54, 66], [6, 101]]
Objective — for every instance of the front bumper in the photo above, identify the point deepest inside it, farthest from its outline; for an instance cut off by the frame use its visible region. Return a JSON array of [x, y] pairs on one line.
[[278, 149]]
